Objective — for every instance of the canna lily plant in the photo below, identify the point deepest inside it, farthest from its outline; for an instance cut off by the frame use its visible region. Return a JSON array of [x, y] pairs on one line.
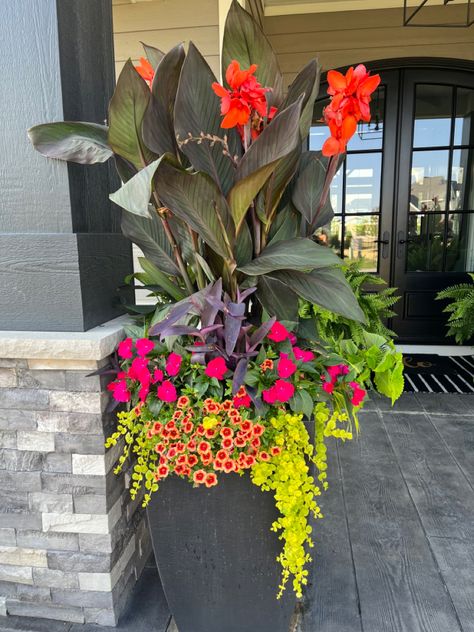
[[222, 197], [217, 183]]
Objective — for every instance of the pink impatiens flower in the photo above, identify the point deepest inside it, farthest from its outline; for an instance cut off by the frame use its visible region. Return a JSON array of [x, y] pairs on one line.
[[216, 368], [338, 369], [285, 367], [157, 375], [280, 392], [125, 348], [278, 332], [167, 392], [358, 394], [328, 387], [144, 346], [139, 371], [173, 364], [303, 354], [119, 391]]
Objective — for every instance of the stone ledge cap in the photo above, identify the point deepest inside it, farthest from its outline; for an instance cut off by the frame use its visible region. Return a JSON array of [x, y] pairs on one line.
[[95, 344]]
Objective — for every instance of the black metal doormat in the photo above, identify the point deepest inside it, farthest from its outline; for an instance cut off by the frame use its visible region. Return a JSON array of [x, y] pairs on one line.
[[438, 374]]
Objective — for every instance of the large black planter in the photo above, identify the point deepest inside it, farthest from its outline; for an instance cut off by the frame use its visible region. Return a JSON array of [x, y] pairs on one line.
[[217, 556]]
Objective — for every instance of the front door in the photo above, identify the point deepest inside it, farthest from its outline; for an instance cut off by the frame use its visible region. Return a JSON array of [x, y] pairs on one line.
[[403, 200]]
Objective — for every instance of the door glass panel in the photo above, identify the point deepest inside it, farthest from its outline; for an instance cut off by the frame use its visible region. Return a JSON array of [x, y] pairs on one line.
[[461, 195], [429, 179], [425, 242], [330, 235], [460, 242], [363, 173], [319, 130], [463, 127], [433, 113], [360, 241]]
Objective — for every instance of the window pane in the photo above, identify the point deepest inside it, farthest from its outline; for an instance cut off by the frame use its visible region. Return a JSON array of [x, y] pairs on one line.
[[460, 243], [429, 175], [433, 115], [363, 173], [425, 247], [462, 193], [463, 128], [330, 235], [359, 241], [370, 135]]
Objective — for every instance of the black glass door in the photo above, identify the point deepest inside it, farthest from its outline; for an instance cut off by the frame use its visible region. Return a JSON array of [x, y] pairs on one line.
[[434, 202], [404, 197]]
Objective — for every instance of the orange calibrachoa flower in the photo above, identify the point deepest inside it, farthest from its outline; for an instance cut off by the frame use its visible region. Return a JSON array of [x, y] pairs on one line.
[[245, 101], [145, 70], [350, 103]]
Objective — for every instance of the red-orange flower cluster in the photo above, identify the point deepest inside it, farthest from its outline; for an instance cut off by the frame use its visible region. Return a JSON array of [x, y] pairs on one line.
[[145, 70], [244, 101], [222, 442], [350, 103]]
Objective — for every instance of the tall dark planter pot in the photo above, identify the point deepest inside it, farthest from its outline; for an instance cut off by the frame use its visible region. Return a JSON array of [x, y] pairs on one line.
[[217, 556]]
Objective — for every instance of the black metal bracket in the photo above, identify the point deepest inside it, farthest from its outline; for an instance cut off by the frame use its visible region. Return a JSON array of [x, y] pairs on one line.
[[408, 17]]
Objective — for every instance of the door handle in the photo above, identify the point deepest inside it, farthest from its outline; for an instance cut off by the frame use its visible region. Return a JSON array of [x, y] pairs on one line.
[[401, 242], [406, 241], [385, 241]]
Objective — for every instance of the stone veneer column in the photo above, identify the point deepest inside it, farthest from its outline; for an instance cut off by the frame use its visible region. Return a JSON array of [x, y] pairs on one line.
[[71, 543]]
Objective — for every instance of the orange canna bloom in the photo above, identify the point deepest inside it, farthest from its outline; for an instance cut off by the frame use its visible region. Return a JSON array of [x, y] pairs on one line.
[[145, 70], [350, 103]]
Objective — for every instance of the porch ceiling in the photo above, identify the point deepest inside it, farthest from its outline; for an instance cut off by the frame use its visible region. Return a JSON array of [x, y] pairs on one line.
[[291, 7]]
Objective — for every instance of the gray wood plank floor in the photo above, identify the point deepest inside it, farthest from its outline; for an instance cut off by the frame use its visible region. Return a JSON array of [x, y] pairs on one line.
[[401, 522]]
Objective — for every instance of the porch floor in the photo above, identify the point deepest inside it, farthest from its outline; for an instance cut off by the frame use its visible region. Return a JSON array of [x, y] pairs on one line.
[[395, 552]]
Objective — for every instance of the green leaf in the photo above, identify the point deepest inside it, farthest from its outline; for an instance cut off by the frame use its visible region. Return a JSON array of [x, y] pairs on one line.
[[134, 195], [243, 246], [285, 226], [277, 299], [302, 402], [294, 254], [306, 82], [197, 110], [390, 383], [326, 287], [196, 199], [126, 111], [148, 234], [85, 143], [278, 182], [158, 123], [156, 277], [276, 141], [245, 41], [153, 54], [308, 189]]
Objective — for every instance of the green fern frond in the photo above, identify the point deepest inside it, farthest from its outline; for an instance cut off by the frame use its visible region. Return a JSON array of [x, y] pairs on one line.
[[460, 309]]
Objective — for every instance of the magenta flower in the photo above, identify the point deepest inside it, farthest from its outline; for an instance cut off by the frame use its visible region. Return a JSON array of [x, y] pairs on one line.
[[303, 354], [143, 392], [278, 332], [328, 387], [285, 367], [280, 392], [216, 368], [167, 392], [358, 393], [173, 364], [119, 391], [292, 338], [125, 348], [139, 371], [158, 375], [144, 346]]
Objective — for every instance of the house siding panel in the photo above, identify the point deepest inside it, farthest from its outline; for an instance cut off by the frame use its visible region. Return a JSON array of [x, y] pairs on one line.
[[352, 37]]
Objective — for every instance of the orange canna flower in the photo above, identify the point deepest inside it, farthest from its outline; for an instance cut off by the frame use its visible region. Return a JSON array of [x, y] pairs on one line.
[[145, 70], [350, 103]]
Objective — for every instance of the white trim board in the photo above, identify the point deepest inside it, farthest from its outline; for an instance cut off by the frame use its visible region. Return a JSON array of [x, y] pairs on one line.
[[442, 350]]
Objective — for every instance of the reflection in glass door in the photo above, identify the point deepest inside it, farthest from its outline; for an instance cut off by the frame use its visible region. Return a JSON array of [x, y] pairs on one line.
[[435, 218]]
